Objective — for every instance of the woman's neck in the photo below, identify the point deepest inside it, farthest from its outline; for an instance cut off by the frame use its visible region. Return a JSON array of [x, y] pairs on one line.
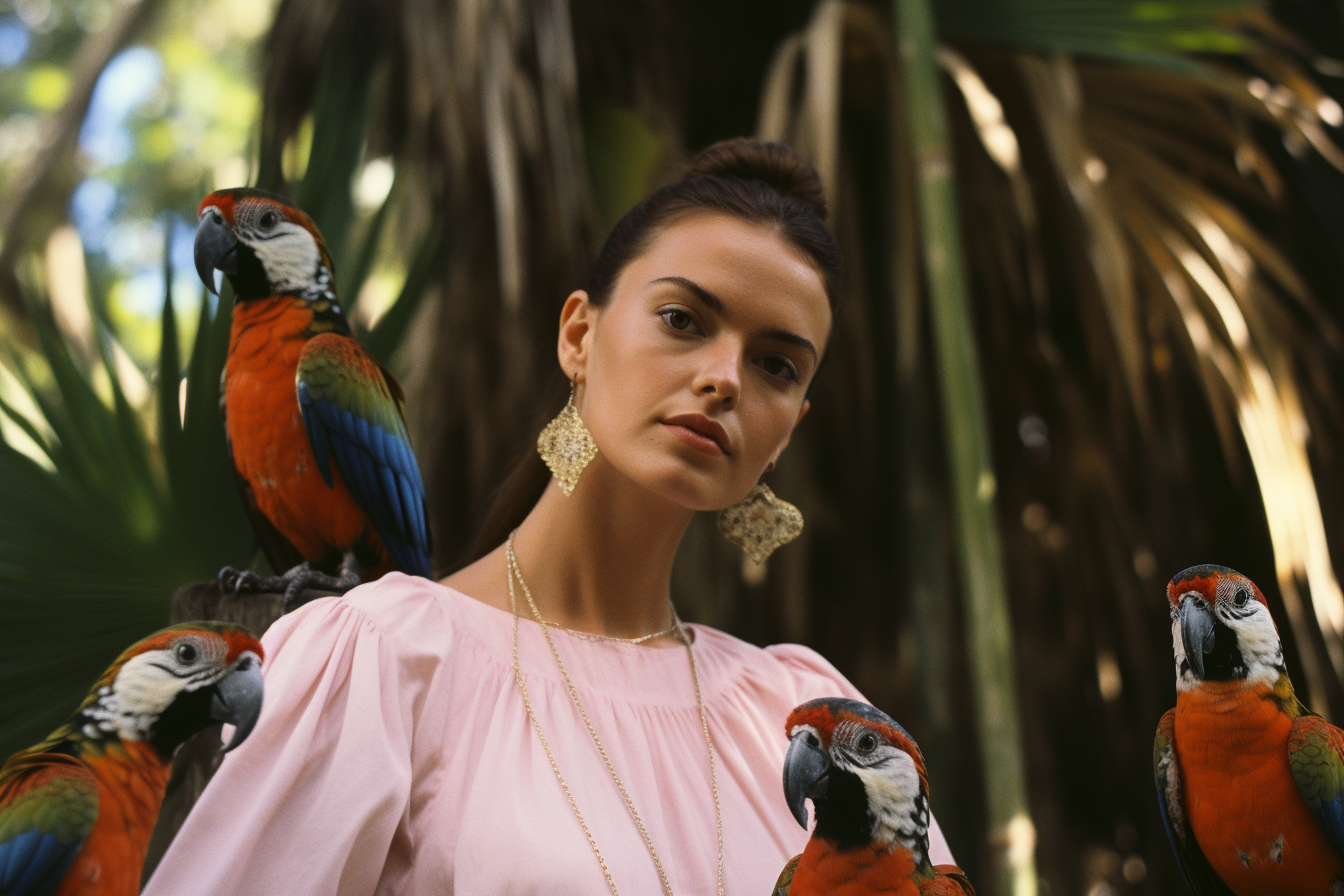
[[598, 560]]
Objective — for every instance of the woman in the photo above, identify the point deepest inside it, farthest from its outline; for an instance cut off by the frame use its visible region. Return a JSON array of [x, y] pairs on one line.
[[423, 737]]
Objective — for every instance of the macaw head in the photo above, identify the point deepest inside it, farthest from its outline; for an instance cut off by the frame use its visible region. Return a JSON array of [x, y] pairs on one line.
[[863, 773], [265, 247], [1221, 629], [172, 684]]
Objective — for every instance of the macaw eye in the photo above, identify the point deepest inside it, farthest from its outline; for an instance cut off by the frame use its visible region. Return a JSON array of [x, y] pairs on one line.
[[269, 219], [867, 742], [186, 653], [1242, 597]]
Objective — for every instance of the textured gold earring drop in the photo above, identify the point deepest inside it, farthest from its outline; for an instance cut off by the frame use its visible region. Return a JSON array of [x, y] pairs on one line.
[[760, 522], [566, 445]]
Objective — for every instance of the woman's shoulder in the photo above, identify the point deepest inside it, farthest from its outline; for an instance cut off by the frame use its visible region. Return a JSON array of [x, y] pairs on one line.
[[792, 671], [405, 614]]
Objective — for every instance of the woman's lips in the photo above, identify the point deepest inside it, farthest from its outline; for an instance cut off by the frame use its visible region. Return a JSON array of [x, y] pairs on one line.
[[699, 432]]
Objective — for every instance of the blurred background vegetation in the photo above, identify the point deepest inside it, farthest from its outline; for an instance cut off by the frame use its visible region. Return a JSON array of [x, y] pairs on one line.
[[1091, 335]]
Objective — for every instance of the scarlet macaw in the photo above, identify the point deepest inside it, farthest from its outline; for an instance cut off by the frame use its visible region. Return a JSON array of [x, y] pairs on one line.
[[1249, 781], [865, 777], [76, 811], [314, 423]]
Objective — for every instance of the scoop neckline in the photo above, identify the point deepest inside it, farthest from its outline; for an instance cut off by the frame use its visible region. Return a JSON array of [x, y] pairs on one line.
[[583, 637]]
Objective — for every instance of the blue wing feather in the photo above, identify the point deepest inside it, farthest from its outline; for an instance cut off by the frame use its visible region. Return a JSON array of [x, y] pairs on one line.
[[1332, 820], [34, 863], [414, 498], [317, 432], [390, 485], [372, 453], [408, 501]]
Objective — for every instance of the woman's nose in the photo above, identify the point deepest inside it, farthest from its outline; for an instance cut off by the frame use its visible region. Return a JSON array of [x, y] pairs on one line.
[[721, 376]]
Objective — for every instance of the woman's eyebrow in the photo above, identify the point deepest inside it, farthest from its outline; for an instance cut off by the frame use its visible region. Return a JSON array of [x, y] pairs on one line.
[[792, 339], [715, 304]]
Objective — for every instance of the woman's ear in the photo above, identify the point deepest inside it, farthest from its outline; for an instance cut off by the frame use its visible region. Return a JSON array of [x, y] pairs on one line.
[[576, 334]]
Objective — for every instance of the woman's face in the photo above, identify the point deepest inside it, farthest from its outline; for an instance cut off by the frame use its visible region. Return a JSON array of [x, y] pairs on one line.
[[694, 372]]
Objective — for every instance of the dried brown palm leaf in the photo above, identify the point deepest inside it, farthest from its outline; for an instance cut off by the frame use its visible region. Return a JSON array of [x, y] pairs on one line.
[[1183, 179], [1057, 93], [1001, 144], [1223, 271], [1239, 386]]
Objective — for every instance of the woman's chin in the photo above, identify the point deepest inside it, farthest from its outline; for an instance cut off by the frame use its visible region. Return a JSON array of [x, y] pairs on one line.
[[692, 490]]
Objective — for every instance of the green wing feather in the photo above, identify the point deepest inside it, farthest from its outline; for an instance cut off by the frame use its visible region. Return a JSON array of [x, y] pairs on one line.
[[1316, 757]]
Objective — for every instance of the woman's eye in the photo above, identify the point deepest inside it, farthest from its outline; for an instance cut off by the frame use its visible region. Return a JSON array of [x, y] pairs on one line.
[[677, 319], [776, 365]]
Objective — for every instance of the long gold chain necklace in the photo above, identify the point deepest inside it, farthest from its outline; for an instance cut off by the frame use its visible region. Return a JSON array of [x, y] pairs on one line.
[[515, 572]]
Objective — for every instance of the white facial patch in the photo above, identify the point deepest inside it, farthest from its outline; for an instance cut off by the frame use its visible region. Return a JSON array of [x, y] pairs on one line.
[[900, 813], [890, 779], [291, 259], [1257, 639], [147, 685]]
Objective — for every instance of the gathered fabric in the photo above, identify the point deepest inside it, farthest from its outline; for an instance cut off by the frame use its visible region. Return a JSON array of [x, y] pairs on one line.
[[394, 755]]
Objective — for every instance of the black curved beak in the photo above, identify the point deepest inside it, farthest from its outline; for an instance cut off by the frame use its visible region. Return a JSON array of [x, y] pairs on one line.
[[216, 248], [1198, 631], [237, 699], [806, 771]]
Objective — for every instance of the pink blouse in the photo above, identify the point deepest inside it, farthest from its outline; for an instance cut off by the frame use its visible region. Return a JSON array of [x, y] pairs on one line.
[[394, 755]]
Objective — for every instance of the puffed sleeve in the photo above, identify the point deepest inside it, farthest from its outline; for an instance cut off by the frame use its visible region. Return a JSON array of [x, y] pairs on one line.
[[815, 677], [311, 801]]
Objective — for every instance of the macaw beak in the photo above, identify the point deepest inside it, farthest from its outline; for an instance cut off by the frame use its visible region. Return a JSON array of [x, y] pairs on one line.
[[216, 248], [1198, 631], [806, 771], [237, 699]]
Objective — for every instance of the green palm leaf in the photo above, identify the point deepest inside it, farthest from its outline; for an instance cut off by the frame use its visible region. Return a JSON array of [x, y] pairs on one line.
[[1140, 32], [97, 541]]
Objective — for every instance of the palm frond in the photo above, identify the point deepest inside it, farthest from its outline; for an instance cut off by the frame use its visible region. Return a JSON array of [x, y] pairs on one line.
[[1227, 283], [1155, 35], [119, 521]]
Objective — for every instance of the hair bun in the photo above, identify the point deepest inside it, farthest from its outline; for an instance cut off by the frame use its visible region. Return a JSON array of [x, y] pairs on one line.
[[774, 164]]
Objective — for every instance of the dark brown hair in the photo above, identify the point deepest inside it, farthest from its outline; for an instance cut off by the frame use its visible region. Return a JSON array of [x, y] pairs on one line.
[[761, 183]]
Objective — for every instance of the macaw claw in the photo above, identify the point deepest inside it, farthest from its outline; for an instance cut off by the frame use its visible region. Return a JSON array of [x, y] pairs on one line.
[[299, 585]]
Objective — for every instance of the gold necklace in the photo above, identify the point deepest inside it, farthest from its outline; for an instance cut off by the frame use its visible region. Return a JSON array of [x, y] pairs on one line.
[[673, 629], [515, 572]]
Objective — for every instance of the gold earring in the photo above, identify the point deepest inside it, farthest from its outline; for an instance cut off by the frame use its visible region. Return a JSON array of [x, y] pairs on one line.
[[760, 522], [566, 445]]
